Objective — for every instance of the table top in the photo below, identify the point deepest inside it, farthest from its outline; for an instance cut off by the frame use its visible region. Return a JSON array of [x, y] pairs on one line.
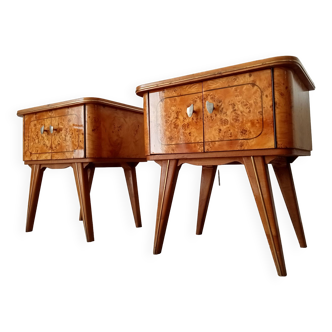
[[80, 101], [291, 62]]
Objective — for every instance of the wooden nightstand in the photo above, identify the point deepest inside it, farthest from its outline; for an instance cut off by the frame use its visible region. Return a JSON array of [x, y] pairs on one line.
[[82, 133], [253, 114]]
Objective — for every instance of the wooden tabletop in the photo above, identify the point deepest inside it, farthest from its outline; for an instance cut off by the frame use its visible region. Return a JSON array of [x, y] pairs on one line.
[[80, 101], [281, 61]]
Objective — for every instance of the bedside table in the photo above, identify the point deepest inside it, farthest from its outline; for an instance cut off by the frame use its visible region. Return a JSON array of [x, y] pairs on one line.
[[253, 114], [83, 134]]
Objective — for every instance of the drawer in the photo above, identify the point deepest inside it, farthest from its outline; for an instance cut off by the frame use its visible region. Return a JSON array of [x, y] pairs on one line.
[[241, 119], [57, 134]]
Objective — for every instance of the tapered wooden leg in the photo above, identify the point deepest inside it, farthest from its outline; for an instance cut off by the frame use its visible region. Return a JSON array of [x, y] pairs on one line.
[[82, 185], [259, 178], [91, 172], [286, 184], [208, 174], [168, 177], [35, 182], [130, 174]]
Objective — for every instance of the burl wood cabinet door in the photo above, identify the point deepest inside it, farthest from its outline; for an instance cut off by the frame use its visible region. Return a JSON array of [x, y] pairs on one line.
[[39, 143], [66, 140], [66, 136], [172, 130], [238, 112]]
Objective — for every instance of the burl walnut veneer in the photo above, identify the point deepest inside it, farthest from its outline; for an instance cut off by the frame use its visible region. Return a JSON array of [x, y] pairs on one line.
[[253, 114], [82, 133]]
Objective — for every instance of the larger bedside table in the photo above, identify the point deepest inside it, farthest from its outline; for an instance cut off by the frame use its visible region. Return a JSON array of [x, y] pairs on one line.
[[82, 133], [253, 114]]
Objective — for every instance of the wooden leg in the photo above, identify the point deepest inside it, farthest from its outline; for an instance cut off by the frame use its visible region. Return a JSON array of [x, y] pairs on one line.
[[130, 174], [82, 185], [91, 172], [168, 177], [259, 178], [286, 184], [35, 182], [208, 174]]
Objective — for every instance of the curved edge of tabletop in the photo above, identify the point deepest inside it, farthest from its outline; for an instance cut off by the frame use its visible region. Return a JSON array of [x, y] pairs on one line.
[[291, 61]]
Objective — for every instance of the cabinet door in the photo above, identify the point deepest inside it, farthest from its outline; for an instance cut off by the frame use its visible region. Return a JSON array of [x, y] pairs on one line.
[[68, 133], [241, 112], [39, 141], [172, 130]]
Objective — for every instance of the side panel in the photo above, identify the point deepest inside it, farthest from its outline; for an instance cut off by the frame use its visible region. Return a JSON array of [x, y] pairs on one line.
[[113, 133], [293, 128]]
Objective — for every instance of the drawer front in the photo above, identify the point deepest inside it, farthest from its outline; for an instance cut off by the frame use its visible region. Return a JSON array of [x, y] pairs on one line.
[[242, 114], [66, 140], [172, 130]]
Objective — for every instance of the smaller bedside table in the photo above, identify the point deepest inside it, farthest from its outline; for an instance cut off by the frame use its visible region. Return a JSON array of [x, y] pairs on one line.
[[83, 134], [254, 114]]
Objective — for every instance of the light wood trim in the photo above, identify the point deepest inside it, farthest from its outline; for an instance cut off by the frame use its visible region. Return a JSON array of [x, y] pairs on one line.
[[285, 61], [80, 101]]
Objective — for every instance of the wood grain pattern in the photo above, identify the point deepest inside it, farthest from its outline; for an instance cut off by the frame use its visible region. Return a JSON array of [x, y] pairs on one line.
[[90, 174], [113, 133], [37, 172], [77, 102], [168, 178], [208, 175], [290, 62], [242, 118], [259, 178], [222, 154], [292, 111], [286, 183], [66, 141], [146, 125], [130, 174], [171, 129], [83, 191]]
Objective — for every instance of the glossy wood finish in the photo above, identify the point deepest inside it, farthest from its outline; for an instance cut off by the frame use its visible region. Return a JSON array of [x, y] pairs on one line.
[[259, 178], [87, 133], [66, 141], [91, 172], [290, 62], [285, 179], [208, 175], [83, 190], [113, 132], [242, 118], [37, 172], [130, 174], [292, 111], [260, 115], [168, 178]]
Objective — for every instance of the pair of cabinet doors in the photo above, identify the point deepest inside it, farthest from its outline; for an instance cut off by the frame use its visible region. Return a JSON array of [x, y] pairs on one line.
[[229, 113]]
